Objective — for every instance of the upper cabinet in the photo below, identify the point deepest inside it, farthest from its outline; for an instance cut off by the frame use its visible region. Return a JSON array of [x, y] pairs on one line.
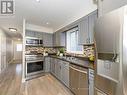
[[86, 29], [92, 18], [39, 35], [34, 34], [30, 33], [59, 39], [47, 39], [83, 31]]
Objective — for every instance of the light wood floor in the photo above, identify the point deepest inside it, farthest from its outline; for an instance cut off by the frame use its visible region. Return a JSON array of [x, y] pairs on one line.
[[10, 84]]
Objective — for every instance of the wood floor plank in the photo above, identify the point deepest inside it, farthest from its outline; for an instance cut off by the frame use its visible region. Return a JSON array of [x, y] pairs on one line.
[[10, 84]]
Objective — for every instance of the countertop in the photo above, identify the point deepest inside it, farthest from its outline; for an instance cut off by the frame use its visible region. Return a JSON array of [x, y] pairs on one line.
[[84, 62]]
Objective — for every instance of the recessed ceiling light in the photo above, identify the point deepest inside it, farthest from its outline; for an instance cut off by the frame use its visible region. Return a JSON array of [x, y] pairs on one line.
[[19, 39], [37, 0], [13, 29], [47, 23]]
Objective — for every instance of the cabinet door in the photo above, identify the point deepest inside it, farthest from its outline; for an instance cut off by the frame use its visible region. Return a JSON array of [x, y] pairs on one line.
[[30, 33], [58, 69], [48, 39], [63, 39], [59, 39], [65, 73], [92, 19], [54, 39], [47, 64], [39, 35], [83, 36], [52, 66]]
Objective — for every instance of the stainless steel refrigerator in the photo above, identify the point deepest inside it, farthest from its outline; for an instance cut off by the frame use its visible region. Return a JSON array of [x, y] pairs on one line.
[[111, 53]]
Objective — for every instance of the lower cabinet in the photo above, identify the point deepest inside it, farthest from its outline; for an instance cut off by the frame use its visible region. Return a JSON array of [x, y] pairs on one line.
[[65, 73], [74, 77], [52, 65], [60, 69], [47, 64]]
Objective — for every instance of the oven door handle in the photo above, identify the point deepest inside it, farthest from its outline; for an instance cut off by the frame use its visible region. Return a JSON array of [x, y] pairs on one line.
[[85, 72]]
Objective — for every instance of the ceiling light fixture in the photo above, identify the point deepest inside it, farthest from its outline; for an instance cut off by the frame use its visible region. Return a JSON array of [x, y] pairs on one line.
[[47, 23], [37, 0], [13, 29]]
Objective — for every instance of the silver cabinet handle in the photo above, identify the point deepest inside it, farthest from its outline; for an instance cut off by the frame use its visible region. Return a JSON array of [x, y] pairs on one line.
[[85, 72]]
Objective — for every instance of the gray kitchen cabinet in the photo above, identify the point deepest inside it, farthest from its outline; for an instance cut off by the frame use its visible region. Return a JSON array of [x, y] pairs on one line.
[[59, 38], [63, 39], [38, 35], [30, 33], [86, 29], [47, 39], [47, 64], [92, 18], [58, 69], [83, 31], [65, 73], [56, 39], [52, 65], [34, 34]]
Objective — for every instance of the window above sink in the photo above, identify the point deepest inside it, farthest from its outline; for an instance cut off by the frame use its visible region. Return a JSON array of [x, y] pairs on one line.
[[72, 41]]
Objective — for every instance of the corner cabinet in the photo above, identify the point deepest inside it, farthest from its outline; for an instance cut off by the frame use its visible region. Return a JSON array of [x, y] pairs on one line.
[[59, 39], [47, 39], [86, 29]]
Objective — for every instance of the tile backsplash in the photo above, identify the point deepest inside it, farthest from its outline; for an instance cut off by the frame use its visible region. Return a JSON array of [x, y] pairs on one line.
[[88, 50], [40, 49]]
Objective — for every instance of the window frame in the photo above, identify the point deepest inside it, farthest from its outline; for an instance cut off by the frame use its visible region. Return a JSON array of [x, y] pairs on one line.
[[68, 49]]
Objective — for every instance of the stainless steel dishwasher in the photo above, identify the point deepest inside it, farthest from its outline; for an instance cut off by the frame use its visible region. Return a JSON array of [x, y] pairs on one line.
[[78, 81]]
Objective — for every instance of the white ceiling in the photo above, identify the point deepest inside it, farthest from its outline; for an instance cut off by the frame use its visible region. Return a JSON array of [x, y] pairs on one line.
[[58, 13]]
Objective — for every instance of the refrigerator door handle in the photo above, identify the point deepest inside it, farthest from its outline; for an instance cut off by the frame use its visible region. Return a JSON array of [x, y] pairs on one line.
[[114, 57]]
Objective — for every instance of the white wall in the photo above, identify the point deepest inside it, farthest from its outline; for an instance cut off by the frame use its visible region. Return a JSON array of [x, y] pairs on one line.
[[17, 54], [6, 51], [9, 50], [105, 6]]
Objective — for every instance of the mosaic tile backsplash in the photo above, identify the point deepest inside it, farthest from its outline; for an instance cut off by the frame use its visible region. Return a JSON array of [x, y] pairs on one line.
[[88, 50]]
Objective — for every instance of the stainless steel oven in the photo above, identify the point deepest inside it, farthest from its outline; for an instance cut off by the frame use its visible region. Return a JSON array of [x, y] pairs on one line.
[[34, 65]]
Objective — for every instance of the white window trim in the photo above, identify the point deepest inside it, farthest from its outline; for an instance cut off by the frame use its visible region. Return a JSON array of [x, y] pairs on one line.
[[76, 52]]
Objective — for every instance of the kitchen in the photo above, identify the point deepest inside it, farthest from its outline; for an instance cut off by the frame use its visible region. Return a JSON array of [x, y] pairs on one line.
[[65, 53]]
